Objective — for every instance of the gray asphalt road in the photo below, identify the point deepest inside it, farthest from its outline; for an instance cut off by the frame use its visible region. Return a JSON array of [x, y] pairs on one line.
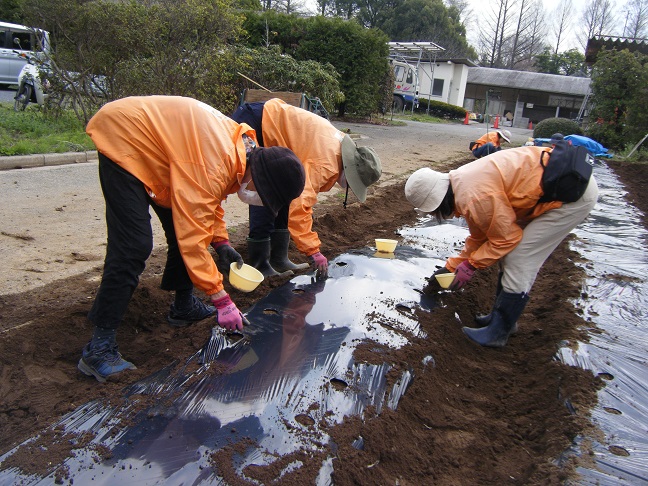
[[7, 95]]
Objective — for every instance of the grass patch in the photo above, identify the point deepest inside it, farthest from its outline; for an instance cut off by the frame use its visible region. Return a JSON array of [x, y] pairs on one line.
[[421, 117], [33, 132]]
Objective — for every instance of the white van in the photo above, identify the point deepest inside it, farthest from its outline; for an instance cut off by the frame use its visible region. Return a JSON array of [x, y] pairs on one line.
[[29, 40]]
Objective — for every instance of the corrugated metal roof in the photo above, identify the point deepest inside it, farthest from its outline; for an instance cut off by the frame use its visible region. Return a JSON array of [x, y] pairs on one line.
[[552, 83]]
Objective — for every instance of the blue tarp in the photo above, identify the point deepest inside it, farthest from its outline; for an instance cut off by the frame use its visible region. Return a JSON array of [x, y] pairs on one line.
[[592, 146]]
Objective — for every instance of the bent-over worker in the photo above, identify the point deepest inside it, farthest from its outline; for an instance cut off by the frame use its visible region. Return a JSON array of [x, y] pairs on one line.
[[498, 196], [182, 158], [328, 155], [490, 143]]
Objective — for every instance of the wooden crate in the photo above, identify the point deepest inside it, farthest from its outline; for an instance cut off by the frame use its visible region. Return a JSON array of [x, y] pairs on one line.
[[258, 95]]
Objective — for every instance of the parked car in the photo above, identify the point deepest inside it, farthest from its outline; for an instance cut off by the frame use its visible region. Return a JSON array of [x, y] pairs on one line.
[[25, 40]]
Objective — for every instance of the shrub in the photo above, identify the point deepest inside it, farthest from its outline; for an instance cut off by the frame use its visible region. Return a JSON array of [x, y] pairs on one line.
[[441, 109], [547, 127]]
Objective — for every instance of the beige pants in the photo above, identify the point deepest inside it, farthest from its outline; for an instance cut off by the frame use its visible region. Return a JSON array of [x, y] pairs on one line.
[[540, 239]]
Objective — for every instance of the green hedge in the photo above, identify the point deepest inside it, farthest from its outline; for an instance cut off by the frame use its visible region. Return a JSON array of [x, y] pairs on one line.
[[547, 127], [441, 109]]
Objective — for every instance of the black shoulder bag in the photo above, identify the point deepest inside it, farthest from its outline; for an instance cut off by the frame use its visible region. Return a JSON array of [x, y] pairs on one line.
[[566, 174]]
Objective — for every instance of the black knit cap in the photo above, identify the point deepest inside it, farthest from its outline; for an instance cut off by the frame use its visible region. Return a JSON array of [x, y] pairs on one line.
[[278, 176]]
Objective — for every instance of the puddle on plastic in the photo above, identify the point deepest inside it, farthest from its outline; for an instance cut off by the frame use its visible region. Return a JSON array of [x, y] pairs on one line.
[[292, 370]]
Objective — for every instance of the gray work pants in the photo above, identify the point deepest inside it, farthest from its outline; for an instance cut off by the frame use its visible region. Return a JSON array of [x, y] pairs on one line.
[[540, 238]]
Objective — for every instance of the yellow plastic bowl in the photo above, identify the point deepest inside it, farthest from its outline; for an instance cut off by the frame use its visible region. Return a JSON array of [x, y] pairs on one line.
[[386, 246], [445, 279], [246, 279]]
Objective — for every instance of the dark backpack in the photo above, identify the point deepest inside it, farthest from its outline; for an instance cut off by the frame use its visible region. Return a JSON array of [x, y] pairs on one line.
[[567, 172]]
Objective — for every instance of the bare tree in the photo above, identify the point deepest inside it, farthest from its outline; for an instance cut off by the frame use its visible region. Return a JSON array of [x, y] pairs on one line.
[[636, 19], [597, 19], [494, 30], [561, 22], [529, 33]]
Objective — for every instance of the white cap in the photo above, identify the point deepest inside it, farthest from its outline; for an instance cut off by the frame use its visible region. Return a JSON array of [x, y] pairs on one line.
[[426, 188], [505, 134]]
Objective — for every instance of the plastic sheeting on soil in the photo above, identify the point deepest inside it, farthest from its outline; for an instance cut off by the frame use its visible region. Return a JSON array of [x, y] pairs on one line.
[[292, 371], [613, 241], [271, 388]]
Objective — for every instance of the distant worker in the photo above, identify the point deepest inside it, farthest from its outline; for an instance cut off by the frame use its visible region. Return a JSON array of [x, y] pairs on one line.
[[329, 156], [500, 199], [490, 143], [182, 158]]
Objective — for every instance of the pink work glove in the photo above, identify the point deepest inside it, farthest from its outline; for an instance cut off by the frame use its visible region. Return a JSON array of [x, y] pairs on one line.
[[463, 274], [320, 263], [227, 314]]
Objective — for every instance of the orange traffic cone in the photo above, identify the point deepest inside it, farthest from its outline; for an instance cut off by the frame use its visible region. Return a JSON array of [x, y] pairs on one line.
[[496, 124], [467, 119], [530, 125]]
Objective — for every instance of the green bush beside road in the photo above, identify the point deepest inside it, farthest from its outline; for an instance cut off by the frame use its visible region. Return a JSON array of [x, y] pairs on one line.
[[33, 132]]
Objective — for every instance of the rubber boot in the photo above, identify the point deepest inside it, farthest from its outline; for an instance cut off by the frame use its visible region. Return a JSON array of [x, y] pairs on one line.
[[484, 320], [506, 311], [279, 242], [100, 357], [259, 256]]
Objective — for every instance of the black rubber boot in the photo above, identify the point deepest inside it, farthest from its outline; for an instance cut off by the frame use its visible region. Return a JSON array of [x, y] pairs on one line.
[[279, 241], [506, 311], [259, 256], [484, 320]]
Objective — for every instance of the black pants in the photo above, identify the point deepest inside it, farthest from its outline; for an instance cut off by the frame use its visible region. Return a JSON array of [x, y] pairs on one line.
[[130, 242], [262, 223]]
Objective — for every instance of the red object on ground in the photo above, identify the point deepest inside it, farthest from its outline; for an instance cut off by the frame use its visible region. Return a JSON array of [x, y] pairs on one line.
[[530, 125], [467, 119], [496, 124]]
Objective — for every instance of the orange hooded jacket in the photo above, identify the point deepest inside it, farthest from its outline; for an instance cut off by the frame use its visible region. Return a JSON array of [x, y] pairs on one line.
[[318, 144], [492, 137], [189, 156], [497, 196]]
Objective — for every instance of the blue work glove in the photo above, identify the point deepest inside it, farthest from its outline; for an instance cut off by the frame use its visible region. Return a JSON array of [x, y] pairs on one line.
[[463, 274], [226, 255]]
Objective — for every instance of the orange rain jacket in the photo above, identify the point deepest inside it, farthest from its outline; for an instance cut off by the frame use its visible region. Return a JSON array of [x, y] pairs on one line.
[[189, 156], [318, 144], [497, 196], [492, 137]]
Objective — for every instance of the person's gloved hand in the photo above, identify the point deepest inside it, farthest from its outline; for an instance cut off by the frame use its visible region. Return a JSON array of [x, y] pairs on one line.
[[320, 263], [463, 274], [226, 255], [227, 314]]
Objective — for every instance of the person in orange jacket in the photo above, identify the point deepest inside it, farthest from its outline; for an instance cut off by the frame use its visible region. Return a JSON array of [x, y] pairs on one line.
[[499, 198], [490, 142], [329, 157], [182, 158]]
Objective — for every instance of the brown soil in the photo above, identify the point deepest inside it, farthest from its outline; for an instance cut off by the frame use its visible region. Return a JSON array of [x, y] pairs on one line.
[[479, 416]]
